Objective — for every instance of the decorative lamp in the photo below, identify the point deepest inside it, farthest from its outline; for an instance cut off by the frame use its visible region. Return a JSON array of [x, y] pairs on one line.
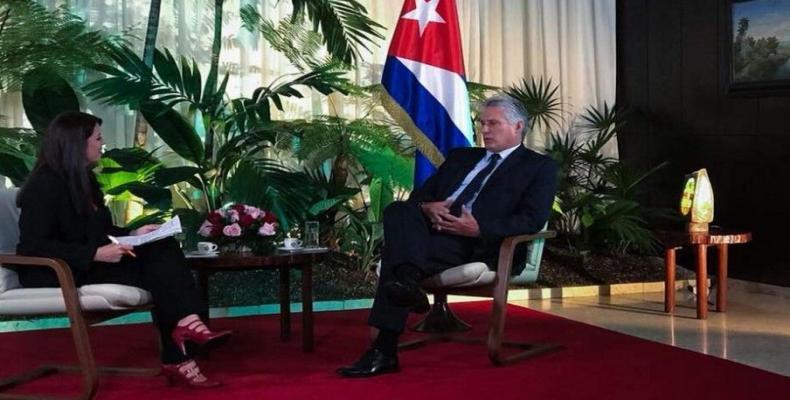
[[696, 205]]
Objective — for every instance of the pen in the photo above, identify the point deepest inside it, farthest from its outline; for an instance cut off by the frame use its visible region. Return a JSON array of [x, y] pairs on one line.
[[114, 240]]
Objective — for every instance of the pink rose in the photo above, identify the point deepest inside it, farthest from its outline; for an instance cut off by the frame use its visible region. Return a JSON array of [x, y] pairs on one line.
[[267, 230], [205, 229], [253, 212], [233, 230]]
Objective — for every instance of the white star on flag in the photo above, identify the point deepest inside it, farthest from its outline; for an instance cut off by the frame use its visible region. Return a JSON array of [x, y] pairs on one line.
[[425, 13]]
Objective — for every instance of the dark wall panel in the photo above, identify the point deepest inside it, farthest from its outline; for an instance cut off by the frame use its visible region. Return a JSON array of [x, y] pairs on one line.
[[669, 68]]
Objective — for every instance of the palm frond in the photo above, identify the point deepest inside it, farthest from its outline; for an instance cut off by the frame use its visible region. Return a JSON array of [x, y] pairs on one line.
[[607, 119], [478, 92], [18, 149], [624, 181], [266, 184], [344, 25], [33, 37], [298, 44], [540, 99], [130, 82]]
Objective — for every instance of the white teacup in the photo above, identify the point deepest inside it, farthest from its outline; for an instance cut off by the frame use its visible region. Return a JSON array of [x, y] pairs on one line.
[[292, 243], [206, 247]]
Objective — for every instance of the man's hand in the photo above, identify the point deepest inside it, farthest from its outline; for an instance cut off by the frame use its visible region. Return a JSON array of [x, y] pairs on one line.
[[436, 211], [111, 253], [465, 225], [144, 229]]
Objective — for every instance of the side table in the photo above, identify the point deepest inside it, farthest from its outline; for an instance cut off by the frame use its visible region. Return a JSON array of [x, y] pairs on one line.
[[283, 263], [700, 241]]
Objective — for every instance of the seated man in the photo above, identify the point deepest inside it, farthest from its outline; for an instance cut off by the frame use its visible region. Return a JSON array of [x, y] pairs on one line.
[[461, 214]]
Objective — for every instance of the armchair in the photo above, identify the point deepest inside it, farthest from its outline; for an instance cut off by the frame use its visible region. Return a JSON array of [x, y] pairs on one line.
[[84, 306], [476, 279]]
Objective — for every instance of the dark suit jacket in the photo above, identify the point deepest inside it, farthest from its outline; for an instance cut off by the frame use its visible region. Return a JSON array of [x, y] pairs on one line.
[[515, 200], [50, 226]]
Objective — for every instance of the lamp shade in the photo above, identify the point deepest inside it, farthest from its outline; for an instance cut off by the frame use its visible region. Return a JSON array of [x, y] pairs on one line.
[[696, 203]]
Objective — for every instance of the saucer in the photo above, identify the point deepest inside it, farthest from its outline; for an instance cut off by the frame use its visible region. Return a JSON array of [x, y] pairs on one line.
[[283, 248], [303, 249], [197, 254]]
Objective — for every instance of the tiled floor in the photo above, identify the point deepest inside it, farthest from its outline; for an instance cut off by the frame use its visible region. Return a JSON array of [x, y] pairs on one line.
[[755, 330]]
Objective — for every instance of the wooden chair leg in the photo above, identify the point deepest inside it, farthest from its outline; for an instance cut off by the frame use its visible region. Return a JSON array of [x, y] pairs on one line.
[[425, 339], [23, 377], [90, 375], [496, 333], [87, 365]]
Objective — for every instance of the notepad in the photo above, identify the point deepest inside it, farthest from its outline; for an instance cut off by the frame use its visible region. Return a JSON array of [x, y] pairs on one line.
[[167, 229]]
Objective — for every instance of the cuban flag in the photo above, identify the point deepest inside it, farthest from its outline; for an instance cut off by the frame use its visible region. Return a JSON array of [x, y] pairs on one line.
[[425, 83]]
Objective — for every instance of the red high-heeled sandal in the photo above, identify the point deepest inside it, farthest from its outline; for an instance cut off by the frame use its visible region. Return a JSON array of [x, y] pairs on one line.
[[197, 332], [188, 374]]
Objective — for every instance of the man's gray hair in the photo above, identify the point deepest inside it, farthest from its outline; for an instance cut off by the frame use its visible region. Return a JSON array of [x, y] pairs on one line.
[[513, 110]]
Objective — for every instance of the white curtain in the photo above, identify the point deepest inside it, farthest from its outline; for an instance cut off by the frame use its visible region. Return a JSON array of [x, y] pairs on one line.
[[570, 41]]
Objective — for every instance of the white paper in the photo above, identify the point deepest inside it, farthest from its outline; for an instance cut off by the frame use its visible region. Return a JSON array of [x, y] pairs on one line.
[[167, 229]]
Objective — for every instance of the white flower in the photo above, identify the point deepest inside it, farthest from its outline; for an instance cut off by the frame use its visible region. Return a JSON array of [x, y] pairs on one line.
[[267, 230], [233, 230], [233, 215]]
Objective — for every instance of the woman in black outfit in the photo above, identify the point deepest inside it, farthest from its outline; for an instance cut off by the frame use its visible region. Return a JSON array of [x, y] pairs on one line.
[[63, 216]]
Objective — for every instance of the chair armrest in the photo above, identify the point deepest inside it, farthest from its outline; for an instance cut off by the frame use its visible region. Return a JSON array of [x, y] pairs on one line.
[[508, 247], [62, 271]]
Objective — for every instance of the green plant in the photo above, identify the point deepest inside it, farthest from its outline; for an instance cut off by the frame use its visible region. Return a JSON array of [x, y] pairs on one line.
[[344, 26], [540, 99], [354, 169], [31, 37], [242, 127], [44, 95], [596, 193]]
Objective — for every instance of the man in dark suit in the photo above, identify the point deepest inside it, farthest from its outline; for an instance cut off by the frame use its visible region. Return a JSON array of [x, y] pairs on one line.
[[477, 197]]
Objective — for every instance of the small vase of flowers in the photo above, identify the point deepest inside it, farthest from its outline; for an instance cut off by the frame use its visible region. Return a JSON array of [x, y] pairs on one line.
[[241, 228]]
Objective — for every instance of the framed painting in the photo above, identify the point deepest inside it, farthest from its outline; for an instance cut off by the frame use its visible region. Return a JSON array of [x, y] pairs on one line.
[[757, 47]]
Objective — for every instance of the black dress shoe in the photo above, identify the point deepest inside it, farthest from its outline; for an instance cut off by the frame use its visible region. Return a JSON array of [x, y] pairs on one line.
[[407, 295], [372, 363]]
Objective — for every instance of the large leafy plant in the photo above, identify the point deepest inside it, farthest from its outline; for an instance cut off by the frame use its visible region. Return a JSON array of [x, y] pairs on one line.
[[185, 112], [597, 193], [354, 169], [31, 38], [42, 54], [223, 143], [596, 206]]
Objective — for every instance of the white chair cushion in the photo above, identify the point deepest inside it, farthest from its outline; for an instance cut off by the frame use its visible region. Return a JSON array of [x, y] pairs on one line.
[[8, 279], [17, 300], [466, 275], [9, 235], [99, 297]]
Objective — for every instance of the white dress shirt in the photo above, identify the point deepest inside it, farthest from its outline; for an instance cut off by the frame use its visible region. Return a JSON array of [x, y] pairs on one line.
[[479, 167]]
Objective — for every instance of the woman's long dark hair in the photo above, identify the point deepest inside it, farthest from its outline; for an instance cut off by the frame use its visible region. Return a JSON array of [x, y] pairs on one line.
[[63, 152]]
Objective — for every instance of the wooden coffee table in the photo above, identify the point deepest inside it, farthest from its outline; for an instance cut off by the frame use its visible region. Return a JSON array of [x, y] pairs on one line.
[[205, 266], [720, 238]]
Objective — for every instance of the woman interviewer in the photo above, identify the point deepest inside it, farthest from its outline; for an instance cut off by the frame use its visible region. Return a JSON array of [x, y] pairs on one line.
[[63, 216]]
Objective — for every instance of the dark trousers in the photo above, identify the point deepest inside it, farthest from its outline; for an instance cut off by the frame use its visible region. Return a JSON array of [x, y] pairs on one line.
[[161, 269], [408, 239]]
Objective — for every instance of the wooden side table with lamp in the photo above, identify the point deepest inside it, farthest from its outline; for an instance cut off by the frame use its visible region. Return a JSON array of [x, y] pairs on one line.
[[696, 206]]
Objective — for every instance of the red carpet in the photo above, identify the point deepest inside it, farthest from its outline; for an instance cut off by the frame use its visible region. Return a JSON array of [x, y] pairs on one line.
[[595, 364]]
